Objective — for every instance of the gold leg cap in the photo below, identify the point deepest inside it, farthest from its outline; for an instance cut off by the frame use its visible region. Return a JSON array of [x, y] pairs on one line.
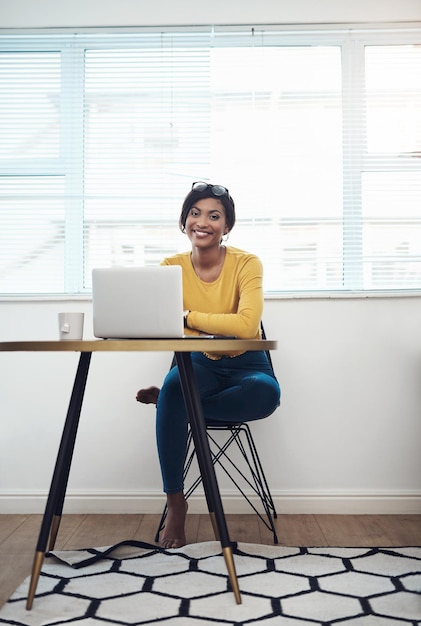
[[229, 561], [36, 570]]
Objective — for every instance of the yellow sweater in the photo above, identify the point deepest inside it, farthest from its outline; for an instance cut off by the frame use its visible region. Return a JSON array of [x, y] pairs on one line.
[[232, 304]]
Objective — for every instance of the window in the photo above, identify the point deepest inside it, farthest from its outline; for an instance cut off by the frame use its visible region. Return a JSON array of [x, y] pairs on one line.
[[317, 135]]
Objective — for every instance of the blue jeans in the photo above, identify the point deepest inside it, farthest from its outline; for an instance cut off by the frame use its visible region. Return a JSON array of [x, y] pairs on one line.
[[232, 390]]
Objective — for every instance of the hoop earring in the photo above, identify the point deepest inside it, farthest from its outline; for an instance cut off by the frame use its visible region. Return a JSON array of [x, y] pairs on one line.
[[226, 237]]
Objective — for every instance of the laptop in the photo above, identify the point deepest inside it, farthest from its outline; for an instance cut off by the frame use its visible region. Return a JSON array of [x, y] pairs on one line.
[[138, 302]]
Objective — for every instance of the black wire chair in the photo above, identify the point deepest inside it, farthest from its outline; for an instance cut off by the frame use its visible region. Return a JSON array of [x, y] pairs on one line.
[[246, 474]]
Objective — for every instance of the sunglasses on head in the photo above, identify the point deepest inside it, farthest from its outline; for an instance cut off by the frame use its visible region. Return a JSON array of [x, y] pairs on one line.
[[217, 190]]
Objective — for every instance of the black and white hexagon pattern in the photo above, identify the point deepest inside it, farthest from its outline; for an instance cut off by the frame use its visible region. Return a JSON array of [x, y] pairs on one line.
[[135, 584]]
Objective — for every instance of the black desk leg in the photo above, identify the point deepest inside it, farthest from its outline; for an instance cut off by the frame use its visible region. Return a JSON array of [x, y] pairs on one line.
[[207, 470], [55, 500]]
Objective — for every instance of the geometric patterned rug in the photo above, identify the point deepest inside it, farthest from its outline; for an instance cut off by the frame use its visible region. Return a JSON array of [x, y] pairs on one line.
[[134, 583]]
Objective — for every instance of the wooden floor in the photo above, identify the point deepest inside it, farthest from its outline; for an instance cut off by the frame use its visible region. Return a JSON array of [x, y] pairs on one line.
[[19, 533]]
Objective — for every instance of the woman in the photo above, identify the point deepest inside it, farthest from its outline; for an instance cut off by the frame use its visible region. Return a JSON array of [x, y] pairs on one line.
[[222, 290]]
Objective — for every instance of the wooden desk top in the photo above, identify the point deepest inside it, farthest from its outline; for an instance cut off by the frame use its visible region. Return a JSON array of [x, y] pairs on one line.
[[196, 344]]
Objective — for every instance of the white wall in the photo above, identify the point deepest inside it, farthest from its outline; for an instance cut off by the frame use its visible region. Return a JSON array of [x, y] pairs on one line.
[[347, 435], [91, 13], [57, 13], [346, 438]]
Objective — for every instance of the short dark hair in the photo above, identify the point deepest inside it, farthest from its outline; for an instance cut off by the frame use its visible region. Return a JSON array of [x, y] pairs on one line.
[[194, 195]]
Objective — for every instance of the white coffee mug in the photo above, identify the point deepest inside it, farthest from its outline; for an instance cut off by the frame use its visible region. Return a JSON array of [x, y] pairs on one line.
[[70, 326]]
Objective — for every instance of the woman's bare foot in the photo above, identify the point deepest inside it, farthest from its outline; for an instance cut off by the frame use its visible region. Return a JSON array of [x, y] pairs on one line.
[[173, 534], [148, 395]]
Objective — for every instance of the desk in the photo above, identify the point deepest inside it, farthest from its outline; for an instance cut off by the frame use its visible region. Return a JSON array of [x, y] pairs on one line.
[[182, 349]]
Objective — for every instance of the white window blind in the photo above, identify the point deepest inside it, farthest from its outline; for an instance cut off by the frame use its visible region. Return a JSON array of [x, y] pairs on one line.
[[316, 134]]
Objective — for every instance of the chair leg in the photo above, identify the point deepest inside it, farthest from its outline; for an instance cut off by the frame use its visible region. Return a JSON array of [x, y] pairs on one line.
[[259, 486], [256, 479], [262, 487]]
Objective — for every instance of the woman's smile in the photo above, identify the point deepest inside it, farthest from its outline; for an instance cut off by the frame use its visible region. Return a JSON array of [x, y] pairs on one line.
[[201, 233]]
